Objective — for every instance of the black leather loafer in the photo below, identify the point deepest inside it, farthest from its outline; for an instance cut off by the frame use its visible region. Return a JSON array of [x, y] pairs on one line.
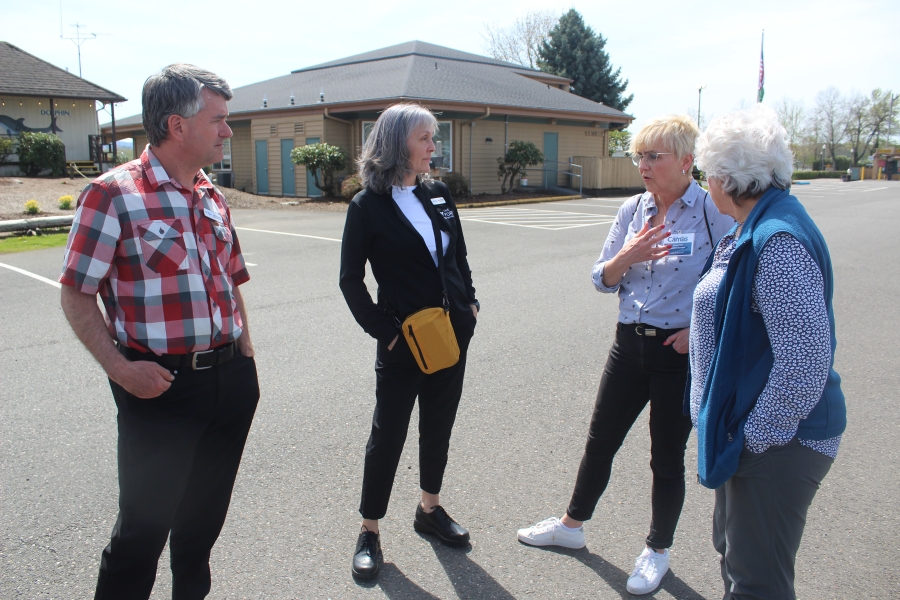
[[367, 559], [439, 524]]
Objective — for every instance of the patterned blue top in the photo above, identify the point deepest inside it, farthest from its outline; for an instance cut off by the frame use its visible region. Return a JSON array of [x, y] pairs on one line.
[[659, 293], [788, 291]]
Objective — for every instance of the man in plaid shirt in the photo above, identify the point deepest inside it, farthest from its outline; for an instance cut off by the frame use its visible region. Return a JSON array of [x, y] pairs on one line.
[[156, 241]]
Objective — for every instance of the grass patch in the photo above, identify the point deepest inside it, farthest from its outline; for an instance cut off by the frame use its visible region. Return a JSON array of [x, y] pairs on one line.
[[24, 243]]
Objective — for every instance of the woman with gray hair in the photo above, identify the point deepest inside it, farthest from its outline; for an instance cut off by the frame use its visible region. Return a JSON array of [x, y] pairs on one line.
[[763, 394], [407, 228]]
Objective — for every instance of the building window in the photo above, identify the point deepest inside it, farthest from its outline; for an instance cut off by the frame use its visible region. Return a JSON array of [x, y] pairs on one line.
[[444, 135], [225, 165]]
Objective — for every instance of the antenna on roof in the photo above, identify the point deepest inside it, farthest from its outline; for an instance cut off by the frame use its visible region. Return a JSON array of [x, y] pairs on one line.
[[77, 40]]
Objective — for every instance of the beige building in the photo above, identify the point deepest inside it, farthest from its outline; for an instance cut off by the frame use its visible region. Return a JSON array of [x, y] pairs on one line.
[[482, 104], [37, 96]]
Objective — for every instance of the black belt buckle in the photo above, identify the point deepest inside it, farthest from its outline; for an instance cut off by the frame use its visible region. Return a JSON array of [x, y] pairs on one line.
[[194, 365], [645, 331]]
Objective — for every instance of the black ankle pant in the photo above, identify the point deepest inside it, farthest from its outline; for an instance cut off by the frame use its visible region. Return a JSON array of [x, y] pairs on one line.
[[639, 369], [398, 382]]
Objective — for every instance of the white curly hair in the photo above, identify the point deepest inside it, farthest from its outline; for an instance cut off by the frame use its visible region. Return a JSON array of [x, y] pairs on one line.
[[747, 152]]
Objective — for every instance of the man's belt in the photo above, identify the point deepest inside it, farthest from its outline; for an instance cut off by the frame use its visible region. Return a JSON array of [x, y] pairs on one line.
[[205, 359], [647, 330]]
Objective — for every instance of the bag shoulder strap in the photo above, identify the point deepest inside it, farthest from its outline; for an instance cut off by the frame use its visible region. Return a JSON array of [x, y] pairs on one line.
[[438, 244], [706, 219]]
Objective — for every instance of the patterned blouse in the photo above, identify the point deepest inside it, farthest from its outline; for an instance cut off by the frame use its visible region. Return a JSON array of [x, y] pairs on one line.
[[788, 291]]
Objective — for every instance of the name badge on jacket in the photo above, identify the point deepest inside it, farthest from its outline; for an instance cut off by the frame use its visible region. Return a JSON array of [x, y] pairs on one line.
[[682, 244], [438, 201]]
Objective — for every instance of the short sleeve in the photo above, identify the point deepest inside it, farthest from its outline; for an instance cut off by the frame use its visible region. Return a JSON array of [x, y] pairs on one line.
[[92, 242]]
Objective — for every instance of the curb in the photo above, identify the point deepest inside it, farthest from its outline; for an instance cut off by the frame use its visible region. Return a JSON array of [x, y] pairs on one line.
[[36, 223], [519, 201]]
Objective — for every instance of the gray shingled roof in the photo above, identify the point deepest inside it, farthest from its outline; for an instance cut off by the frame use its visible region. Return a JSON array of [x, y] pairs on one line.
[[412, 71], [26, 75]]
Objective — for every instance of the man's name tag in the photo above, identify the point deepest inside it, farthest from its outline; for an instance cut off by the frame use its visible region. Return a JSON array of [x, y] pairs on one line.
[[215, 216], [438, 201], [682, 244]]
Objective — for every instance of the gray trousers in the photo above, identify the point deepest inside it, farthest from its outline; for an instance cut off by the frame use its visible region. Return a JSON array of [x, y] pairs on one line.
[[759, 518]]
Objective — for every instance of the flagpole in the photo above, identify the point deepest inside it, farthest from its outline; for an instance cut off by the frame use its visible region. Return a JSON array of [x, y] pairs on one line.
[[760, 92]]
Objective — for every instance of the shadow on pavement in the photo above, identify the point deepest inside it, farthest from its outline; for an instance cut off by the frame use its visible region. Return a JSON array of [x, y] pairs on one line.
[[616, 578], [468, 578], [396, 585]]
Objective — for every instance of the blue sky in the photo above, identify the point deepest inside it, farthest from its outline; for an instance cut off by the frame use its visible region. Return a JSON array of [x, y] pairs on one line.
[[666, 49]]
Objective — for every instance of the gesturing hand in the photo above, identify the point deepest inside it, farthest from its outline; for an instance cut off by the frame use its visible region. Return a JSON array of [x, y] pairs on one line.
[[643, 246], [144, 379]]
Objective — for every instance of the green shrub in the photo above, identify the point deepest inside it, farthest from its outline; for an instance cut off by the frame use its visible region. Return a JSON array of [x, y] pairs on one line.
[[519, 156], [7, 148], [321, 160], [40, 151], [65, 202], [458, 185], [351, 186], [32, 207], [818, 174]]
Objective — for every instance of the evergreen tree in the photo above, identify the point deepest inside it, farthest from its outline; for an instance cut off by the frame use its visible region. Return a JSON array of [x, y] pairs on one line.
[[575, 51]]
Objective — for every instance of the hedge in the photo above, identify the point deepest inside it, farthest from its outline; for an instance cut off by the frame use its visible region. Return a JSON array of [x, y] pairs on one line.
[[817, 175]]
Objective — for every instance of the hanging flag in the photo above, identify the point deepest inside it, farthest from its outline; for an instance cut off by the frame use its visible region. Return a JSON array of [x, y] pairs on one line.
[[761, 91]]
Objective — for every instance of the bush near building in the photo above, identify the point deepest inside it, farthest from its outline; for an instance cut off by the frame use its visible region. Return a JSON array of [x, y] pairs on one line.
[[39, 152]]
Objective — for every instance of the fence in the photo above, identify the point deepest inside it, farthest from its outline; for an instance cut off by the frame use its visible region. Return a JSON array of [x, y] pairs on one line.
[[600, 173]]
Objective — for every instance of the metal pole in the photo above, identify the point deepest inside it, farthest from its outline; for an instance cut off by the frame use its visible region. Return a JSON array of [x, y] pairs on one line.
[[699, 96], [112, 112]]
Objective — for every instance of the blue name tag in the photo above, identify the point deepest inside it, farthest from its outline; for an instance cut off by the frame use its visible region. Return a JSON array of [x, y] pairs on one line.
[[682, 244]]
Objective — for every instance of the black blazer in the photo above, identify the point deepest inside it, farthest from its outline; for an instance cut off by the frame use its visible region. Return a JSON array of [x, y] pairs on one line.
[[408, 280]]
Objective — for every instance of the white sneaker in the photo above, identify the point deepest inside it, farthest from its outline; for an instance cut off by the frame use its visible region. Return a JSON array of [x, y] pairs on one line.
[[550, 532], [649, 569]]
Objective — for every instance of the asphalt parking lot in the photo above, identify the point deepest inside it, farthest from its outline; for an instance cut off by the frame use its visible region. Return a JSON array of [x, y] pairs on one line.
[[533, 369]]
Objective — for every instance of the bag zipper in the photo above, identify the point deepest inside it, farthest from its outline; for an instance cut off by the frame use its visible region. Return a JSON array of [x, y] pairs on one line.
[[416, 342]]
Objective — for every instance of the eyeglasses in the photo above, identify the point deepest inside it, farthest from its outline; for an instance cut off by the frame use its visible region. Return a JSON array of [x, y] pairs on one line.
[[651, 157]]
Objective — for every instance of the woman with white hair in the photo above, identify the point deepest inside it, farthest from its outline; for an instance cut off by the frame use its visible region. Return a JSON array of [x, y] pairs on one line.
[[652, 259], [764, 395], [407, 228]]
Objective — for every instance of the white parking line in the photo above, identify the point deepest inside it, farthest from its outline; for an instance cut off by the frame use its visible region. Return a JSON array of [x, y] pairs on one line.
[[874, 189], [314, 237], [553, 220], [55, 284]]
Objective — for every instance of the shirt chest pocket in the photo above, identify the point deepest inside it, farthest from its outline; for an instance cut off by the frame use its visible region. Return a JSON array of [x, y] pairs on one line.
[[162, 245], [222, 246]]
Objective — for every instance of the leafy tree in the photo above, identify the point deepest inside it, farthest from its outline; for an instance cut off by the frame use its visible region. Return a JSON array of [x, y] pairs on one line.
[[40, 151], [520, 43], [575, 51], [321, 159], [519, 156], [619, 141], [7, 148]]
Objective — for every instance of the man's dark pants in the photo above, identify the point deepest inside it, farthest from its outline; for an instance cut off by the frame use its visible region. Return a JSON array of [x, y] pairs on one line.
[[178, 456]]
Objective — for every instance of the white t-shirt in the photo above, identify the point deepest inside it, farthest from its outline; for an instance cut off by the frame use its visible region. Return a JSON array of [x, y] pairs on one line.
[[413, 210]]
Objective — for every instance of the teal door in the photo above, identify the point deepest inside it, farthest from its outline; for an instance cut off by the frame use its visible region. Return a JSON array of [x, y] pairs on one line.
[[262, 167], [288, 185], [551, 155], [311, 190]]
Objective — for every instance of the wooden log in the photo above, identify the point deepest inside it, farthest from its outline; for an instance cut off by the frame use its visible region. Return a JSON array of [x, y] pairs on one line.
[[36, 223]]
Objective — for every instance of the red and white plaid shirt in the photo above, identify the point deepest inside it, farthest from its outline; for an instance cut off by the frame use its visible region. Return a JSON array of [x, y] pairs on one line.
[[164, 259]]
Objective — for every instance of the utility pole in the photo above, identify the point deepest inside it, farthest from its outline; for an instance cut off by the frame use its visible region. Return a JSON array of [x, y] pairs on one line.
[[699, 96], [78, 41]]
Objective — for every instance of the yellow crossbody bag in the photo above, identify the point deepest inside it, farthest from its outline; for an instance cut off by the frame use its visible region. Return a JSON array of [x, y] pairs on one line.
[[429, 332]]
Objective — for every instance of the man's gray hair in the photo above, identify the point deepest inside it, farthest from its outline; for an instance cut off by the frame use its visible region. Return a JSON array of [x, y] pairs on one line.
[[747, 151], [384, 160], [176, 91]]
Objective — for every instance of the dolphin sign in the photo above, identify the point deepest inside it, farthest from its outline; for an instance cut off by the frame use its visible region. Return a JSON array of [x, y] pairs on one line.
[[14, 126]]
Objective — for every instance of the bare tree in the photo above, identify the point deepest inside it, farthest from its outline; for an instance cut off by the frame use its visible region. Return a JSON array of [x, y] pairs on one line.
[[519, 43], [832, 120], [792, 115], [705, 118]]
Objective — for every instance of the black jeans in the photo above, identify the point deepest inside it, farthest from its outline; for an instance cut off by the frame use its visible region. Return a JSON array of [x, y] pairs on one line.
[[759, 519], [639, 369], [398, 380], [178, 457]]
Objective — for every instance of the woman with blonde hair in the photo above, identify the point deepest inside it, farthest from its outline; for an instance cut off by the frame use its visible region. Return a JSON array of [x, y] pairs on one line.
[[652, 258]]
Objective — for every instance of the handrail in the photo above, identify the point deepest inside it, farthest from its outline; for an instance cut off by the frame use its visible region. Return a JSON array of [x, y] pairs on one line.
[[572, 165]]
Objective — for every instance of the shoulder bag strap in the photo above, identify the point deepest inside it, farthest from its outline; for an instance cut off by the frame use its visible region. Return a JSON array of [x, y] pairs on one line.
[[705, 218], [439, 246]]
